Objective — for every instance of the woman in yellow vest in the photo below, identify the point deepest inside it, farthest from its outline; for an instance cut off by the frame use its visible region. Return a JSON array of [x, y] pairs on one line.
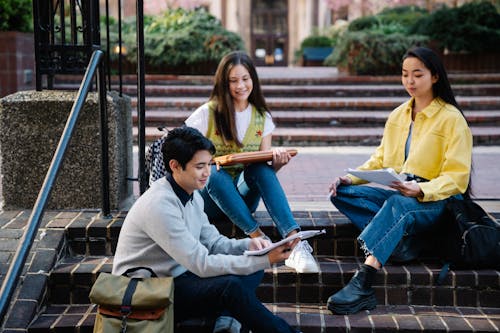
[[236, 119]]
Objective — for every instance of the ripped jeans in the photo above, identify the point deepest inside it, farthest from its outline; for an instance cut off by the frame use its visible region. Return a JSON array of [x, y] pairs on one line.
[[385, 216]]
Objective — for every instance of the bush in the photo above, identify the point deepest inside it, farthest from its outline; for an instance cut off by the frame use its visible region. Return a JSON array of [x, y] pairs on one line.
[[316, 41], [473, 27], [372, 52], [179, 38], [405, 16], [363, 23], [390, 20], [16, 15]]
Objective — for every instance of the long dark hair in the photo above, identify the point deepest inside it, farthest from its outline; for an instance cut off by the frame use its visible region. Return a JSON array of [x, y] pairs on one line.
[[224, 109], [431, 60], [442, 87]]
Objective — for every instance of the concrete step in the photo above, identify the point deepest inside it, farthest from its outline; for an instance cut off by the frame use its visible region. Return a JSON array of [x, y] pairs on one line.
[[341, 136], [361, 90], [286, 78], [173, 118], [320, 103]]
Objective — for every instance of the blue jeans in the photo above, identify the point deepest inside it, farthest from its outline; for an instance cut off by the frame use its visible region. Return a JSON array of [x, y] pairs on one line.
[[196, 297], [385, 216], [238, 198]]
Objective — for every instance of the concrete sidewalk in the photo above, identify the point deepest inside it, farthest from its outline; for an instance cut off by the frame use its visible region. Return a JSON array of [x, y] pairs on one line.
[[307, 177]]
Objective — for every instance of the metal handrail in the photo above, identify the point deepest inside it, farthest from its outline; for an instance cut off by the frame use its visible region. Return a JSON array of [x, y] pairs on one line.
[[24, 246]]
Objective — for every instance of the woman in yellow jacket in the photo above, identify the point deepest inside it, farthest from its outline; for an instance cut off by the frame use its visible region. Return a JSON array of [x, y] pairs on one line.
[[428, 139]]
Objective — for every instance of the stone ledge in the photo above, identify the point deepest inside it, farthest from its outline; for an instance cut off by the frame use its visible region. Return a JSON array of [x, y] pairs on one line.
[[31, 124]]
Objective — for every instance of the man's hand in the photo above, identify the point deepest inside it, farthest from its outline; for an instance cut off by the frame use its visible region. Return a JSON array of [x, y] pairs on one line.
[[258, 243], [281, 253]]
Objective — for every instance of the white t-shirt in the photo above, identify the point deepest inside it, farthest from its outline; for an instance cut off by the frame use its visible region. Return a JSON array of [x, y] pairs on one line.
[[199, 120]]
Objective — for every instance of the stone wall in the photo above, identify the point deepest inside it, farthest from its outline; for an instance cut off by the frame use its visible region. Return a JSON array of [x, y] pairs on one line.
[[31, 123]]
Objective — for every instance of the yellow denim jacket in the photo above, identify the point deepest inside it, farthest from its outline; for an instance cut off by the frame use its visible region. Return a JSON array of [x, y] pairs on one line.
[[440, 149]]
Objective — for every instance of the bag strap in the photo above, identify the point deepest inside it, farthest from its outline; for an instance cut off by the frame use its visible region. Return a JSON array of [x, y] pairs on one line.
[[135, 269], [126, 307]]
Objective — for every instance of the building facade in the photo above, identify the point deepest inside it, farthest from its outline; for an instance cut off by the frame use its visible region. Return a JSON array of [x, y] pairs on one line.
[[272, 30]]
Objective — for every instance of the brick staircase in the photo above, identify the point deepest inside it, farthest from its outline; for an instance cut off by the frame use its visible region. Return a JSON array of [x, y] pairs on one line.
[[318, 111], [76, 246]]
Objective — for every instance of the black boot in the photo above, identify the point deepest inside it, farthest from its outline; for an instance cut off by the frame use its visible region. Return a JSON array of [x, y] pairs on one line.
[[357, 295]]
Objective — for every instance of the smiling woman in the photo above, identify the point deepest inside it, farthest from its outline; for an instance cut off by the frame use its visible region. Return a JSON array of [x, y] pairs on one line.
[[237, 120]]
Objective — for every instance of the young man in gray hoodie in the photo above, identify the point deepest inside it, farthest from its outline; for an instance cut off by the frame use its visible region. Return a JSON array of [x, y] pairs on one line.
[[167, 230]]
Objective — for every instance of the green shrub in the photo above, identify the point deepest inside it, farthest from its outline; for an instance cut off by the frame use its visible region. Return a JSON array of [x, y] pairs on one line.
[[180, 37], [405, 16], [473, 27], [390, 20], [316, 41], [16, 15], [372, 52], [363, 23]]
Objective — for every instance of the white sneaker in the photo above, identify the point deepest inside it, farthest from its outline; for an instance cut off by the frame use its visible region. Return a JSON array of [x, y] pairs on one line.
[[301, 259]]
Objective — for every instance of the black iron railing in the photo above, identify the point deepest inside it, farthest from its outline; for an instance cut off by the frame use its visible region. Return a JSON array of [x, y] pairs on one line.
[[22, 251], [67, 32]]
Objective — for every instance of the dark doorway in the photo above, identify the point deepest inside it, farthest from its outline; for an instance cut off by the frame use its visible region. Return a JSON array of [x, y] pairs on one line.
[[270, 32]]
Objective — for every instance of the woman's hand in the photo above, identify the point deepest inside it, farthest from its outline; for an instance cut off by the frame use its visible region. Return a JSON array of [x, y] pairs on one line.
[[281, 253], [258, 243], [280, 157], [344, 180], [408, 189]]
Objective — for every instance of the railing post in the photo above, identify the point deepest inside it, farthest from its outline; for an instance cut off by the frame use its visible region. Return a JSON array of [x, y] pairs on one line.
[[141, 100], [101, 88]]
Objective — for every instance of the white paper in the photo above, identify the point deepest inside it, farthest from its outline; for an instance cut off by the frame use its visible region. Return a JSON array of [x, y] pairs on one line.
[[301, 234], [380, 176]]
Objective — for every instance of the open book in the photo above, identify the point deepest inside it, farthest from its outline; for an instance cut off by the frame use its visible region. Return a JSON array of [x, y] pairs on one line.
[[301, 234], [380, 176]]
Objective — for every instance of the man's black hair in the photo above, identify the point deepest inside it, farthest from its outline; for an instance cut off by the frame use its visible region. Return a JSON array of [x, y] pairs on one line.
[[182, 143]]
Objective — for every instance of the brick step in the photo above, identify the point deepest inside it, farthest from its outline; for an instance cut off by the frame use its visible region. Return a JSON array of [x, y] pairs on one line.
[[100, 236], [396, 284], [167, 79], [173, 118], [308, 90], [94, 233], [342, 136], [319, 103], [311, 318]]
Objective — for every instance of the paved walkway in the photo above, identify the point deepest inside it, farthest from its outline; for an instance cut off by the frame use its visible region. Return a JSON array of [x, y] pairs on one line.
[[307, 177]]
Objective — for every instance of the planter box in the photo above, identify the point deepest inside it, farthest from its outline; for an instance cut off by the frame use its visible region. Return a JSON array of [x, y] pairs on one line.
[[314, 56], [17, 51]]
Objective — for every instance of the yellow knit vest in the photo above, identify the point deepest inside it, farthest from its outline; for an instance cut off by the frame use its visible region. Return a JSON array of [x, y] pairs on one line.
[[251, 140]]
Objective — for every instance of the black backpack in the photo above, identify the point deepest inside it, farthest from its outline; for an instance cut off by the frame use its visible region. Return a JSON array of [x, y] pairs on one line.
[[469, 238]]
